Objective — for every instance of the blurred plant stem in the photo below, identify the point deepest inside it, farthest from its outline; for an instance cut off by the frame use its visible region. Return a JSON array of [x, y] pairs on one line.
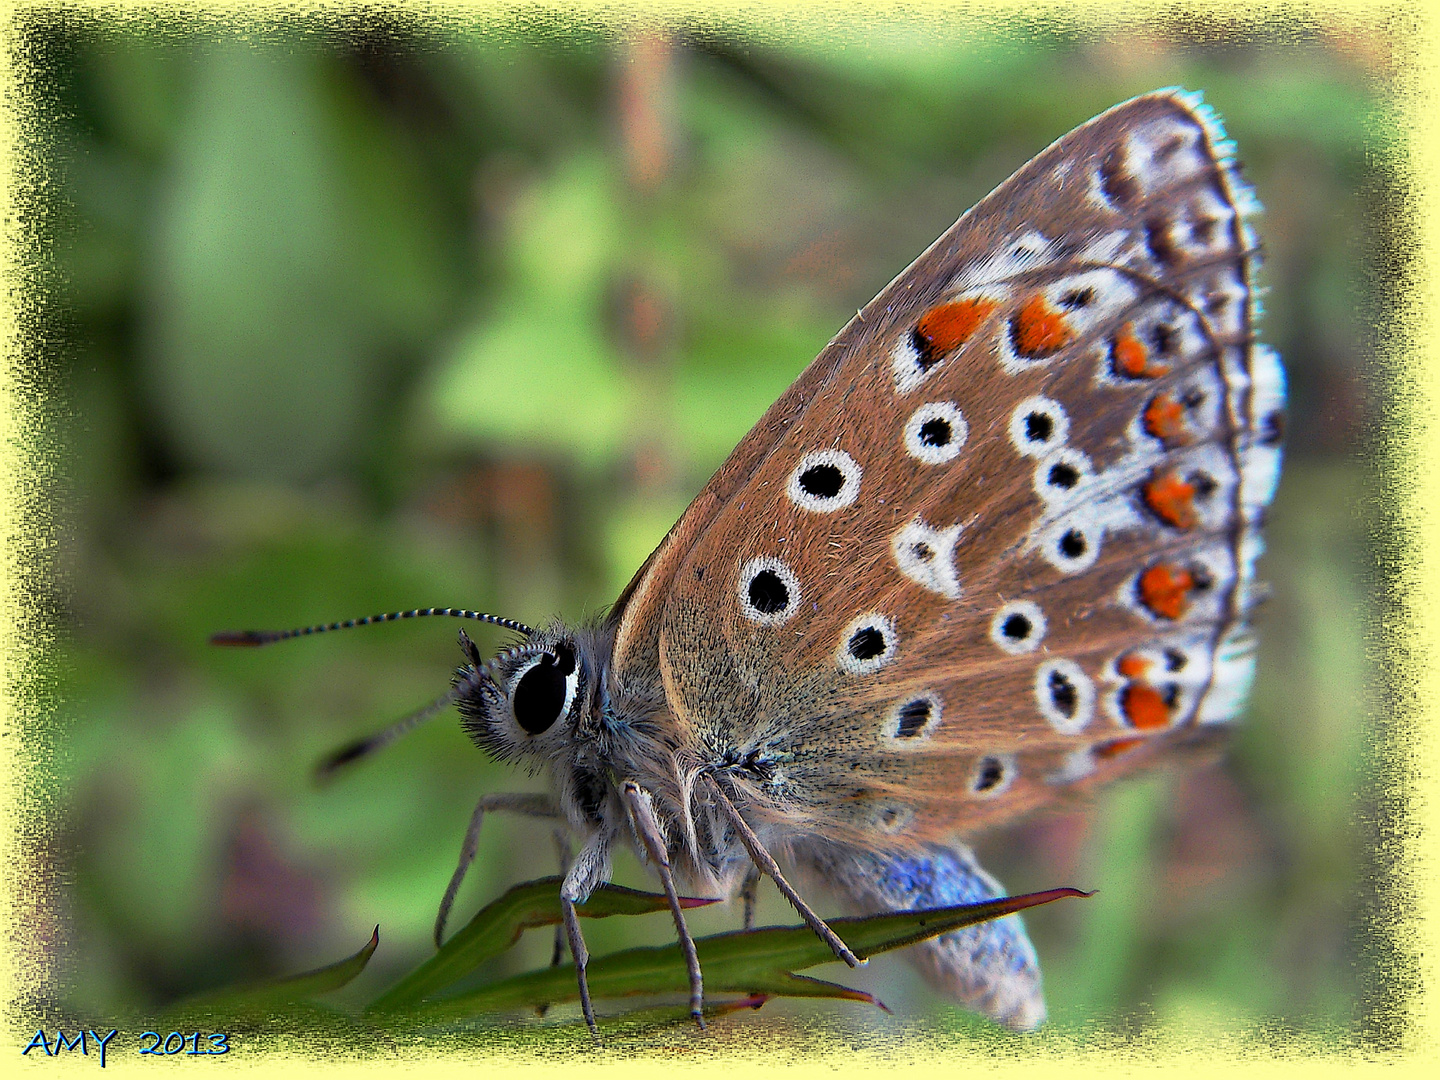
[[648, 323]]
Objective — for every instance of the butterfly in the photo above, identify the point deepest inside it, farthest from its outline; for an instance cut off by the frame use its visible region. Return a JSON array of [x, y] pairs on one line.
[[994, 547]]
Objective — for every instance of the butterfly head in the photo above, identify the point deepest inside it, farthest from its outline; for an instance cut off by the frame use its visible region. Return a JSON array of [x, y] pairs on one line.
[[536, 700]]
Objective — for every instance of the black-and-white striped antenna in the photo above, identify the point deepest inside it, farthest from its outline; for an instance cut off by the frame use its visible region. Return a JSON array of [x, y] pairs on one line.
[[361, 748], [267, 637], [352, 752]]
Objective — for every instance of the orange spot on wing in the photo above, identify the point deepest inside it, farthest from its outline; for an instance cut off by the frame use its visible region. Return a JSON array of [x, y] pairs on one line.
[[1164, 590], [1129, 357], [1144, 706], [1172, 500], [1132, 665], [1038, 329], [1115, 747], [949, 326], [1164, 418]]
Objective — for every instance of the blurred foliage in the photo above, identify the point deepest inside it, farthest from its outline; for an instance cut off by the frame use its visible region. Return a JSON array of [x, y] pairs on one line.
[[379, 315]]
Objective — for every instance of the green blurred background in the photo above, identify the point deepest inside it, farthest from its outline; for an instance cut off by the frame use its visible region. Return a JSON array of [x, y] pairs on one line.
[[363, 316]]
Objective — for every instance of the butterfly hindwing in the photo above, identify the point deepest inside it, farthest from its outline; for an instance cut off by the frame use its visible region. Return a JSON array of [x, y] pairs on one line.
[[990, 967]]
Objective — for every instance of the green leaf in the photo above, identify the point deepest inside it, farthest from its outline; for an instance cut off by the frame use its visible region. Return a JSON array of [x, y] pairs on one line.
[[541, 378], [659, 1017], [753, 962], [272, 995], [499, 925], [540, 371]]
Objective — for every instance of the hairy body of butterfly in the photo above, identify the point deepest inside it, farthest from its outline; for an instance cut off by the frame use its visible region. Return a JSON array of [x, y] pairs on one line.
[[995, 546]]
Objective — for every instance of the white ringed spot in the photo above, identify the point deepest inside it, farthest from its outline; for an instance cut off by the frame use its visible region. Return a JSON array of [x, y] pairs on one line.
[[1039, 425], [1018, 627], [867, 644], [769, 591], [1062, 475], [927, 557], [993, 774], [1065, 694], [935, 432], [892, 818], [1073, 544], [913, 719], [1028, 251], [824, 481], [906, 365]]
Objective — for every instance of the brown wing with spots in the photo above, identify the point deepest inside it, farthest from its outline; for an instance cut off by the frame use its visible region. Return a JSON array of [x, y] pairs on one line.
[[999, 540], [636, 614]]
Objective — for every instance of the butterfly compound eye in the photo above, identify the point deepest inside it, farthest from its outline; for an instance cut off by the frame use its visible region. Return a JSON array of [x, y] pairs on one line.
[[544, 690]]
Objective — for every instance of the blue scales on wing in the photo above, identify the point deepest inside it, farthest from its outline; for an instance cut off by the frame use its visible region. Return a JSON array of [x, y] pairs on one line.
[[990, 967]]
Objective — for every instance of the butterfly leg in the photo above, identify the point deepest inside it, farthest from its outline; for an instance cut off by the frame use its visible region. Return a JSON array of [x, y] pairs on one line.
[[582, 958], [563, 853], [748, 888], [642, 813], [528, 805], [590, 868], [767, 864], [562, 850]]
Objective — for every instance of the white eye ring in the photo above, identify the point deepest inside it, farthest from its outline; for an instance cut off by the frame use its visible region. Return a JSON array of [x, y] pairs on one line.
[[927, 556], [787, 583], [1073, 544], [1018, 627], [1062, 475], [860, 635], [902, 728], [893, 817], [1038, 425], [1060, 674], [984, 770], [824, 481], [930, 421]]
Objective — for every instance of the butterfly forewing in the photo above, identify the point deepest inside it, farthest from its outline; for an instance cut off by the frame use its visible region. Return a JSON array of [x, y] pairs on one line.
[[997, 541]]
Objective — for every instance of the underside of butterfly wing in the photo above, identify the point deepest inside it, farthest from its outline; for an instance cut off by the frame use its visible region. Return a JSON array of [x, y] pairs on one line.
[[998, 543], [637, 612], [990, 967]]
